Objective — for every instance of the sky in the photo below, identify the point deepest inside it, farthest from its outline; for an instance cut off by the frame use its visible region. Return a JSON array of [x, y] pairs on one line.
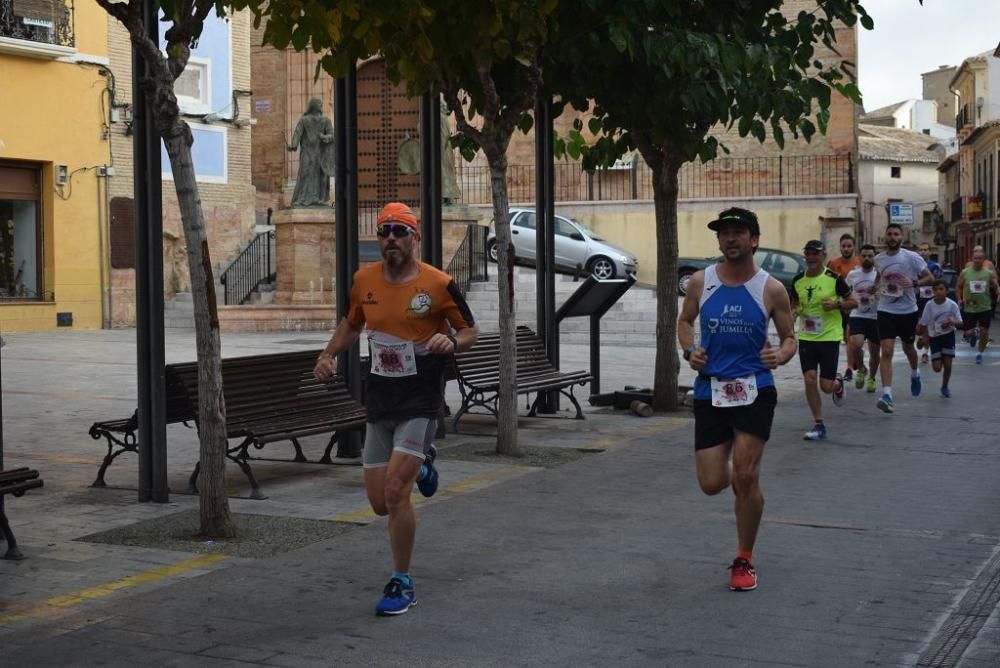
[[909, 40]]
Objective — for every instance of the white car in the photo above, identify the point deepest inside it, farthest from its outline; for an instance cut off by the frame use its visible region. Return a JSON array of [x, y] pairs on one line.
[[576, 246]]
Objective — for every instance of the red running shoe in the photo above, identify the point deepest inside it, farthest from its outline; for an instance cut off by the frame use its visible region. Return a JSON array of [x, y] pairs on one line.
[[743, 576]]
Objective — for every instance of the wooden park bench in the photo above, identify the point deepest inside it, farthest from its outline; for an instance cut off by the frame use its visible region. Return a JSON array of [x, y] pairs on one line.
[[478, 373], [269, 398], [15, 482]]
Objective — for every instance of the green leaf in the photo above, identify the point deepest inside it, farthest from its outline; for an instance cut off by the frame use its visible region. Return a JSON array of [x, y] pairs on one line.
[[525, 123], [867, 23], [779, 135], [594, 125]]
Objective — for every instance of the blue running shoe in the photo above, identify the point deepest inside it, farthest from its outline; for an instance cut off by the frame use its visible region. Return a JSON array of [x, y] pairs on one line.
[[396, 599], [974, 339], [979, 358], [817, 433], [915, 385], [945, 392], [427, 481], [885, 404]]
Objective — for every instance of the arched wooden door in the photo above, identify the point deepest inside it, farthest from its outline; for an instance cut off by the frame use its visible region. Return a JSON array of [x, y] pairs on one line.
[[386, 118]]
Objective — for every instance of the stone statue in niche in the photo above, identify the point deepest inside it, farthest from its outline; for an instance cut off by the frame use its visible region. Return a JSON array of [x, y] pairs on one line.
[[409, 160], [313, 138], [450, 192]]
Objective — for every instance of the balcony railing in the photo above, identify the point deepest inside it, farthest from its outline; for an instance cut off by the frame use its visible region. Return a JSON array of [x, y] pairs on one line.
[[772, 176], [963, 118], [40, 21], [972, 208]]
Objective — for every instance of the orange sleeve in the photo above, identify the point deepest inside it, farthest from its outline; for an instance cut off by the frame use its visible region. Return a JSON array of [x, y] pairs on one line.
[[355, 313]]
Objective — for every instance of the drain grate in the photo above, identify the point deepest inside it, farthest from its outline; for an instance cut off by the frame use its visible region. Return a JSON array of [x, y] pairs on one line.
[[961, 627]]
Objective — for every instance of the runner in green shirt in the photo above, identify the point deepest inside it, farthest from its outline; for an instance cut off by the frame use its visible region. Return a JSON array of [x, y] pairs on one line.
[[818, 295], [975, 285]]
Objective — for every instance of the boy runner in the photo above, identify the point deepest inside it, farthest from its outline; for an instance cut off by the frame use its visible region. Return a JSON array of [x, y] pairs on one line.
[[937, 328]]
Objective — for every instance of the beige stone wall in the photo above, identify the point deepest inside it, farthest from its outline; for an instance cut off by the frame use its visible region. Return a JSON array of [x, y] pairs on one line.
[[229, 208], [786, 223], [270, 87]]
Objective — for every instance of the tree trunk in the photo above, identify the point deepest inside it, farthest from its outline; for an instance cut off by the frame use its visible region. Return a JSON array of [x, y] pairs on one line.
[[507, 397], [216, 521], [665, 205]]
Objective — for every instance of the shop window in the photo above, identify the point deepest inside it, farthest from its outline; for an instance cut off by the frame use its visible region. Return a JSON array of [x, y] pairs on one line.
[[20, 232]]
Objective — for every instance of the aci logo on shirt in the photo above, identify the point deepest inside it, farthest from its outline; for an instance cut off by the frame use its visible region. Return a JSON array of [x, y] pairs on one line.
[[732, 308]]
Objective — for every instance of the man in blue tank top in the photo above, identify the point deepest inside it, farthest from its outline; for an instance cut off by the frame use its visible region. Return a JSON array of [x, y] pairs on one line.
[[734, 394]]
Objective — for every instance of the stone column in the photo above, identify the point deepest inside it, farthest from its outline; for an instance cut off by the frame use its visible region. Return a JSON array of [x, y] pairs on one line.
[[306, 256]]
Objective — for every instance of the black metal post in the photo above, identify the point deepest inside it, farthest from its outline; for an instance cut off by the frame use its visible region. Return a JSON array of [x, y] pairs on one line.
[[346, 203], [1, 418], [430, 179], [545, 222], [595, 353], [152, 433]]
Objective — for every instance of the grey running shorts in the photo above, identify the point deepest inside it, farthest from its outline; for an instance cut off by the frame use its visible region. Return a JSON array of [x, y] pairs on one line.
[[382, 438]]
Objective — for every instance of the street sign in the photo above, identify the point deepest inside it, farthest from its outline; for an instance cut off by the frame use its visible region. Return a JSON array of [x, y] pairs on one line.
[[900, 213]]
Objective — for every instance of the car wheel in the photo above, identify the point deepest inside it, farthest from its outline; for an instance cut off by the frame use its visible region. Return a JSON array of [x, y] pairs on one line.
[[491, 250], [682, 281], [602, 268]]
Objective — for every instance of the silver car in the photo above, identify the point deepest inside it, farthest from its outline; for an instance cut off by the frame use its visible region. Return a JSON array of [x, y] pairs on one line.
[[575, 246]]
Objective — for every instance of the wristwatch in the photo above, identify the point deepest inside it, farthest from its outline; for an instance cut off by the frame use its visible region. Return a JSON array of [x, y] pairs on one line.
[[687, 352]]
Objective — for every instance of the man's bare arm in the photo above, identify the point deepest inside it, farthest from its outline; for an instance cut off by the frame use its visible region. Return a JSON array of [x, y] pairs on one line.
[[343, 338], [689, 310], [685, 322], [781, 313]]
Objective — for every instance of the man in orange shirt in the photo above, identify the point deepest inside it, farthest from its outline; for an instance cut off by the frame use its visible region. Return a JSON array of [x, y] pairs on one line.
[[843, 265], [409, 310]]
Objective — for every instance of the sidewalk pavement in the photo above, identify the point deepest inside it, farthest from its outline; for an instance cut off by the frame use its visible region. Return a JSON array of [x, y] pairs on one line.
[[879, 547]]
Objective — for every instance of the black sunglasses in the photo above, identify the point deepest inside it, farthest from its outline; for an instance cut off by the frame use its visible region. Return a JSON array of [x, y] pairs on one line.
[[398, 231]]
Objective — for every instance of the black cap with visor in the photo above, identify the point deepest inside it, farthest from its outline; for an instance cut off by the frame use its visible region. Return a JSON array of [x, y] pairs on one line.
[[736, 216]]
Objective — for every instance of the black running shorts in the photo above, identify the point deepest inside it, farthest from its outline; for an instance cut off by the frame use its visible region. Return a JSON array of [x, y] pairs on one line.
[[898, 325], [981, 319], [715, 426], [866, 326], [823, 355]]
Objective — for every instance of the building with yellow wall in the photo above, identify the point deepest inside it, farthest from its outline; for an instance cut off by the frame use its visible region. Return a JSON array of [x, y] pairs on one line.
[[54, 157]]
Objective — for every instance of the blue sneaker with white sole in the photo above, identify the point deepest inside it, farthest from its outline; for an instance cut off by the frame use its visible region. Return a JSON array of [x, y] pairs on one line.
[[817, 433], [915, 385], [885, 404], [427, 481], [945, 392], [397, 598]]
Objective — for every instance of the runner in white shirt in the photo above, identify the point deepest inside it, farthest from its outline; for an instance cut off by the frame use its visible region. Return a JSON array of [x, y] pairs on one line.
[[900, 272], [863, 321], [937, 330]]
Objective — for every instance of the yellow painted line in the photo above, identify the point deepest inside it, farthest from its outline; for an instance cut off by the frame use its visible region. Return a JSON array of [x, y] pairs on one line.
[[611, 442], [44, 609], [457, 488]]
